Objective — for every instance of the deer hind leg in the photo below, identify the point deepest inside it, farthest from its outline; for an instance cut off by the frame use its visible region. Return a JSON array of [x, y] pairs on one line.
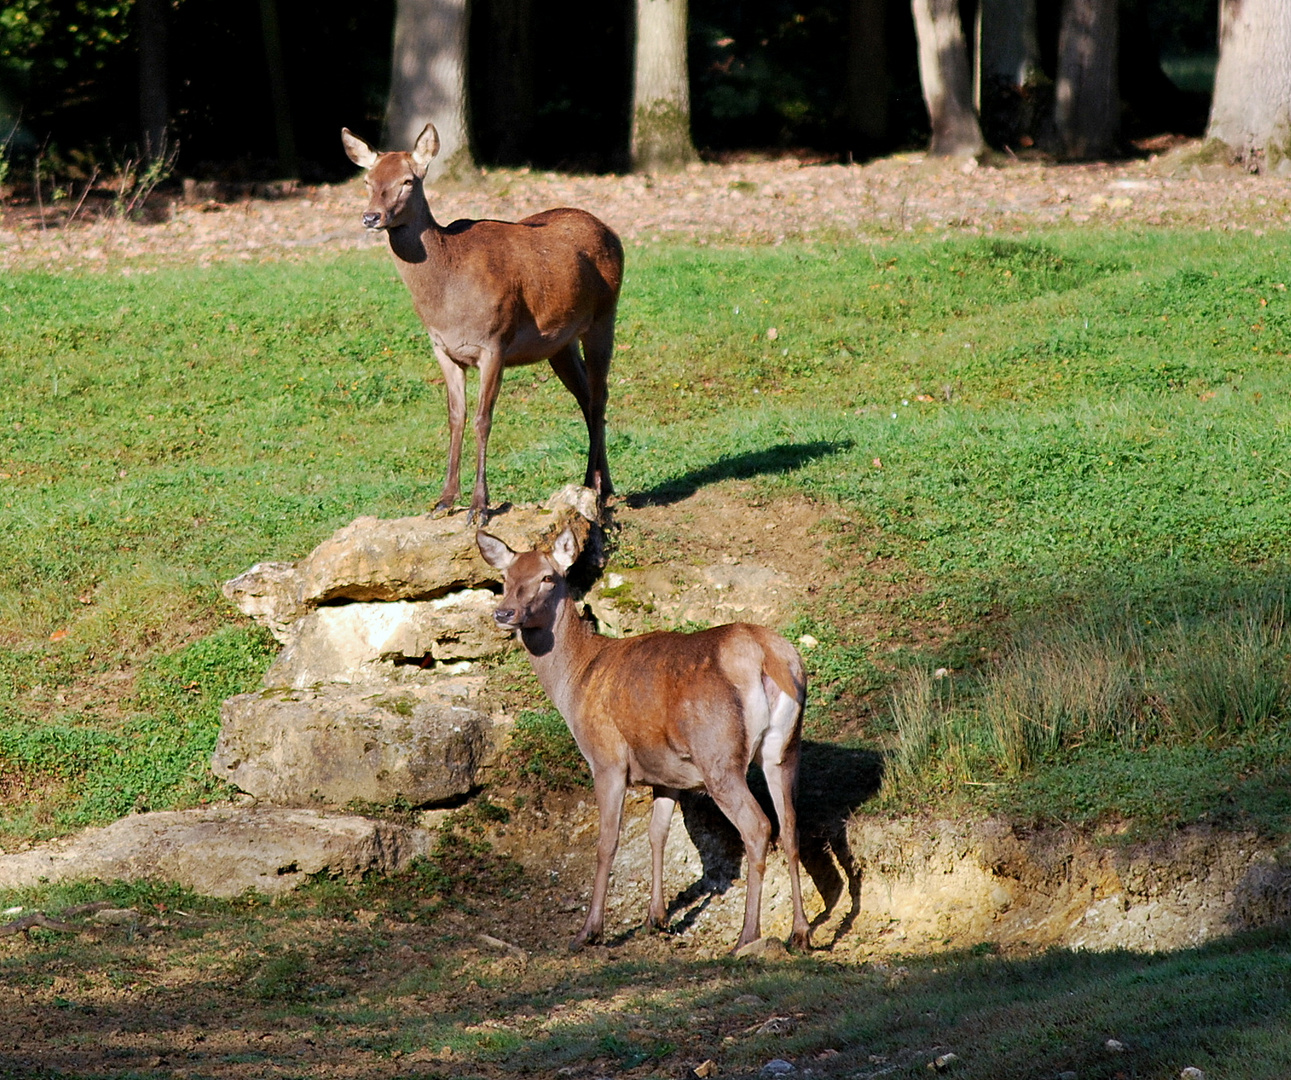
[[733, 798], [455, 386], [665, 800], [574, 375], [598, 350], [779, 756], [610, 788]]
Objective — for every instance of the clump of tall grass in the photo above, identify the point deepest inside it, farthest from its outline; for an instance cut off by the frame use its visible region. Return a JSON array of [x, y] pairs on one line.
[[1229, 675], [920, 725], [933, 738], [1067, 682], [1121, 680]]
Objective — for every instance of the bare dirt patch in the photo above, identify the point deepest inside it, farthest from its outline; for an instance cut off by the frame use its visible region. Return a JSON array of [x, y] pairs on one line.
[[747, 202], [718, 554]]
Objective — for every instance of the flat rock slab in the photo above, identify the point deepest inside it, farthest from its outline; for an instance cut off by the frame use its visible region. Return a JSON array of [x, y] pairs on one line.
[[222, 852], [335, 744]]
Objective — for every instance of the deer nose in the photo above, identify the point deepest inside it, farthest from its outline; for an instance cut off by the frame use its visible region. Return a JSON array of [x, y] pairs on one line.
[[505, 616], [371, 220]]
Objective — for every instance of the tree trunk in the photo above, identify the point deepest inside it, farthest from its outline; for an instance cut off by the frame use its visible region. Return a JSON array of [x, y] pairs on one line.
[[428, 83], [284, 132], [661, 88], [1007, 71], [1087, 104], [154, 99], [1251, 109], [867, 74], [946, 79]]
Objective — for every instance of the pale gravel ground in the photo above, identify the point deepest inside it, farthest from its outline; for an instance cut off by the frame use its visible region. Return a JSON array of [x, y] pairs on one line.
[[749, 203]]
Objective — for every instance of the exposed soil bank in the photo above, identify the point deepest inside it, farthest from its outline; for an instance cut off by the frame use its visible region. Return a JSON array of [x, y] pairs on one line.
[[907, 885]]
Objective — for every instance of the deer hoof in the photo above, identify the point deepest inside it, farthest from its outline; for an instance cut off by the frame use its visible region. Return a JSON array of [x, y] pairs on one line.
[[584, 937]]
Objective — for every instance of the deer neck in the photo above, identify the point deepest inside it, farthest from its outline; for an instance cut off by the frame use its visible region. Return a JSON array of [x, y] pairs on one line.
[[560, 653], [417, 240]]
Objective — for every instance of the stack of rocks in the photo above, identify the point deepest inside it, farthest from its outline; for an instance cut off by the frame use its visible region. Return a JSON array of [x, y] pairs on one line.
[[373, 698]]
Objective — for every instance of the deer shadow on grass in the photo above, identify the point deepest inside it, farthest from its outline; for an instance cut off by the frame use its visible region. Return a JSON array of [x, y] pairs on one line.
[[833, 782], [783, 458]]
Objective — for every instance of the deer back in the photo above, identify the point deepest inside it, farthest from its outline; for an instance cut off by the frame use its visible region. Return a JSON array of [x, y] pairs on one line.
[[680, 707], [534, 285]]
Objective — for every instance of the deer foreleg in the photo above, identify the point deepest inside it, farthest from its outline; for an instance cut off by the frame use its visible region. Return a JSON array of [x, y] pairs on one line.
[[455, 387], [665, 800], [610, 788], [490, 366]]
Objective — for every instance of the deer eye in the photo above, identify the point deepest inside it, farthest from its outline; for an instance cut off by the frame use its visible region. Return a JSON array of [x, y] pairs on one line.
[[407, 183], [547, 579]]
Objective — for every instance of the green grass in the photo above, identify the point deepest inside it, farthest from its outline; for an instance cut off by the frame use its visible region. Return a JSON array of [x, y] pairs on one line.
[[1025, 427], [542, 752], [153, 758]]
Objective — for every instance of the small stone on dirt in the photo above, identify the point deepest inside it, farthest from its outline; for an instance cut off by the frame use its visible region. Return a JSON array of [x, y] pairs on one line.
[[705, 1069], [763, 949], [116, 916], [1114, 1046], [1192, 1073], [941, 1064], [776, 1025], [778, 1067]]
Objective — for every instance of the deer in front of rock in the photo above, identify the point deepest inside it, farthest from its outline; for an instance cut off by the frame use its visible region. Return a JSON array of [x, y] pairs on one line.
[[497, 294], [678, 712]]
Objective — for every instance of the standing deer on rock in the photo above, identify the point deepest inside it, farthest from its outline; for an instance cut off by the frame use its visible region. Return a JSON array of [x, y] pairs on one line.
[[496, 294], [679, 712]]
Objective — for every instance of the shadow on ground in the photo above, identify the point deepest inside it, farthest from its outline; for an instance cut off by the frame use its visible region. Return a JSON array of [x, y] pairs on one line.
[[833, 783], [783, 458]]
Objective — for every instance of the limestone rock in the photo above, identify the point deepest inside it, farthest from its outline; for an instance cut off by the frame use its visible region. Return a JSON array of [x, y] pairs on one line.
[[418, 558], [358, 706], [408, 558], [222, 852], [353, 643], [270, 593], [335, 744]]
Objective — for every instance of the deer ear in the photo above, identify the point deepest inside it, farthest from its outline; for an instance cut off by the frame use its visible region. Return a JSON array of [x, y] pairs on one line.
[[495, 552], [425, 148], [564, 551], [357, 150]]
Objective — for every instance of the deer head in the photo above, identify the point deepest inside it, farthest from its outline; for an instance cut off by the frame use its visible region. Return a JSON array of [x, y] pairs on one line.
[[533, 581], [394, 179]]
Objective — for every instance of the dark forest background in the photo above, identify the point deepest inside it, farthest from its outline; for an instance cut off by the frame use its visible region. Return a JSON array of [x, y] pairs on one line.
[[766, 75]]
